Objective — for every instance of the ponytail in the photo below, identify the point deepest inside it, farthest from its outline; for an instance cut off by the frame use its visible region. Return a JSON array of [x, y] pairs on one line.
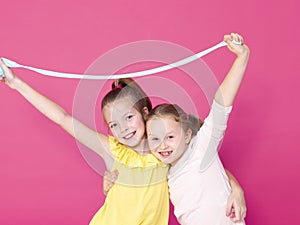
[[195, 123], [127, 87]]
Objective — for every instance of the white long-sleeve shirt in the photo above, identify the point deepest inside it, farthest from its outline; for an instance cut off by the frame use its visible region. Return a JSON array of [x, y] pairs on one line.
[[198, 184]]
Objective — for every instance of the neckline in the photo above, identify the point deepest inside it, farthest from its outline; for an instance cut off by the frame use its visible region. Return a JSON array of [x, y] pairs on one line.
[[184, 158]]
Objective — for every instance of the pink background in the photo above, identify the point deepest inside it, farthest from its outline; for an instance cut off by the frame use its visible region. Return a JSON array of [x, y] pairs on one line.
[[43, 177]]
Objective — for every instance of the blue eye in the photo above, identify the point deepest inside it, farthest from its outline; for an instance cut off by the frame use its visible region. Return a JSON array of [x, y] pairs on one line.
[[154, 139], [113, 125], [129, 117]]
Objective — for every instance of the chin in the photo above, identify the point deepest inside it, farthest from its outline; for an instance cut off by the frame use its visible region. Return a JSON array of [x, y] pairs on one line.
[[158, 156], [133, 143], [167, 160]]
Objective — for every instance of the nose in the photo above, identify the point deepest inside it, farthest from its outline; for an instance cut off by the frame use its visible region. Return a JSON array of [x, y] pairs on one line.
[[163, 145], [123, 127]]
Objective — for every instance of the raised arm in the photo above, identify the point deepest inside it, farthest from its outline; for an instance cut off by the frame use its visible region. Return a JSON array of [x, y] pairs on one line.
[[95, 141], [228, 89]]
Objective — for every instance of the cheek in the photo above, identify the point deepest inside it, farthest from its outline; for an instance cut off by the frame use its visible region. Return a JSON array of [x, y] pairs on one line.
[[114, 133], [154, 152], [180, 146], [154, 146], [157, 155], [139, 124]]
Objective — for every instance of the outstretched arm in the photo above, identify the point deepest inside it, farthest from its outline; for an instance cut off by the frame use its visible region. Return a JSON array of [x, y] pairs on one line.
[[228, 89], [93, 140], [225, 95]]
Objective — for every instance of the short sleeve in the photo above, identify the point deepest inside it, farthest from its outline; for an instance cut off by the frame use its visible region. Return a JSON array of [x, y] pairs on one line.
[[129, 157]]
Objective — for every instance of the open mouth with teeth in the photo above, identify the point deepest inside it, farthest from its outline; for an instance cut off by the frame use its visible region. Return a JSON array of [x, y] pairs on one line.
[[130, 135], [165, 154]]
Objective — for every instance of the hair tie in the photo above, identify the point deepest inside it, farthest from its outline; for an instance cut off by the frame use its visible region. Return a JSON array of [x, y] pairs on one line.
[[118, 86]]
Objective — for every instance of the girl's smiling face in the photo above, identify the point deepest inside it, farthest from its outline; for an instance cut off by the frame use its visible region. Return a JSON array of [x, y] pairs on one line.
[[126, 123], [166, 138]]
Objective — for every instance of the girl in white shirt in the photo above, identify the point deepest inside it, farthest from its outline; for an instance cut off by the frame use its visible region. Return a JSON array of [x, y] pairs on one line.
[[198, 184]]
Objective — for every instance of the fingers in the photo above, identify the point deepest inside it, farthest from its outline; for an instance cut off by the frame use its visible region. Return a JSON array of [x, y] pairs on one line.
[[227, 38], [235, 212], [240, 50], [233, 36], [6, 73], [237, 216], [2, 74], [241, 39], [228, 208], [1, 62], [3, 66], [109, 180], [111, 175], [107, 186], [108, 176], [236, 37], [243, 213], [231, 212]]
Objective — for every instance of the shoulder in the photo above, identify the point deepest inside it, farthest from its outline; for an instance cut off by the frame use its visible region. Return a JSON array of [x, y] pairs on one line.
[[129, 157]]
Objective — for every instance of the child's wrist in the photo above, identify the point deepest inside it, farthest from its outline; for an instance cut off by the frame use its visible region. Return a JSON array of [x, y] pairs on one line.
[[245, 53], [243, 56], [15, 83], [237, 189]]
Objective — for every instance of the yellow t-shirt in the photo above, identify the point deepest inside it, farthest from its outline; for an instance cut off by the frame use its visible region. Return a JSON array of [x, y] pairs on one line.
[[140, 195]]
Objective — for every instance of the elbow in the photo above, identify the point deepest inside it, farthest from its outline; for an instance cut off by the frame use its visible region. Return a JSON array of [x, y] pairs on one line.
[[223, 102]]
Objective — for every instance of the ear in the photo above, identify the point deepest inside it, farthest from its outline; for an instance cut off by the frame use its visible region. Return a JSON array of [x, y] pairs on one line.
[[188, 136], [145, 112]]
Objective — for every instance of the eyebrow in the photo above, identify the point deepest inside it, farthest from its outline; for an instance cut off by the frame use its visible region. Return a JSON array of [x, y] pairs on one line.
[[155, 135], [171, 132], [113, 121]]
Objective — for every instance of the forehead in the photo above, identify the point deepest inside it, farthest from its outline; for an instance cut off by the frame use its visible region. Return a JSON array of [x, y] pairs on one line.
[[118, 108], [162, 125]]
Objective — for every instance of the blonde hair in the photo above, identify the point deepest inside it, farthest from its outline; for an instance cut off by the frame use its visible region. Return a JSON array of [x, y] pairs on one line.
[[188, 121]]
